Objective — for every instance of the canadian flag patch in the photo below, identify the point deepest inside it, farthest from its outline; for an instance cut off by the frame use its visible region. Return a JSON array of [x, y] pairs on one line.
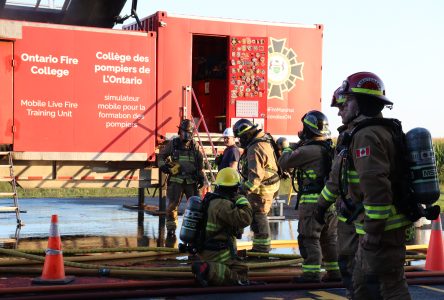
[[362, 152]]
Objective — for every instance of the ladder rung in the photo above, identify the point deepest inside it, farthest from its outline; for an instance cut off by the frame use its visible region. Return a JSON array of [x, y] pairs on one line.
[[7, 194], [4, 152], [6, 179], [5, 166], [8, 208]]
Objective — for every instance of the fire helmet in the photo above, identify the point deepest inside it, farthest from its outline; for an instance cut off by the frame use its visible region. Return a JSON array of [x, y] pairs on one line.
[[365, 84], [187, 125], [315, 123], [245, 130], [186, 130], [227, 177], [338, 98]]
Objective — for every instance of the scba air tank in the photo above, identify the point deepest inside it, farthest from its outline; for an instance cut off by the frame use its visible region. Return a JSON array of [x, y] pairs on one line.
[[191, 218], [422, 165]]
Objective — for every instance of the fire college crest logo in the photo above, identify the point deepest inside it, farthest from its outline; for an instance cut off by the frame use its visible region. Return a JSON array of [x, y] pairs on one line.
[[283, 68]]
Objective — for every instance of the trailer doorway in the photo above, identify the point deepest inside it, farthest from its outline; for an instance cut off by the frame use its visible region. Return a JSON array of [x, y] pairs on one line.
[[209, 76]]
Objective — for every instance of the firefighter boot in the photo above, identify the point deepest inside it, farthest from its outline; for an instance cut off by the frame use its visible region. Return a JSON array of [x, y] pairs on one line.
[[332, 276], [308, 277], [200, 271]]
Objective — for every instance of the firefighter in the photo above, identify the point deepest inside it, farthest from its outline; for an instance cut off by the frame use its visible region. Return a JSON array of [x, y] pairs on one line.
[[258, 167], [366, 182], [312, 161], [227, 214], [183, 162], [347, 244]]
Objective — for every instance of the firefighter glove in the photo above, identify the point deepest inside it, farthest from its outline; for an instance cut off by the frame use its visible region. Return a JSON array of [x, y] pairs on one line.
[[165, 169], [319, 214]]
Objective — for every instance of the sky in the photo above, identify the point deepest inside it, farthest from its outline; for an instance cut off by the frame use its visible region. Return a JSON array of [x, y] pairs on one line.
[[402, 41]]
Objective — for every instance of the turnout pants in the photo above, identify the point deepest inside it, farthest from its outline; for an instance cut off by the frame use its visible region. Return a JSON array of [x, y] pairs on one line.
[[224, 270], [317, 242], [347, 247], [379, 272], [175, 192], [261, 228]]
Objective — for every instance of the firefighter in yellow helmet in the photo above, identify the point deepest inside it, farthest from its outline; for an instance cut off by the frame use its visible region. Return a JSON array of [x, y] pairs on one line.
[[366, 181], [183, 162], [312, 163], [226, 213], [258, 167]]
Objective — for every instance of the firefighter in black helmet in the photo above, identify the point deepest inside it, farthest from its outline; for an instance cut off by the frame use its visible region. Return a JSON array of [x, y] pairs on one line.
[[366, 181], [258, 167], [226, 213], [183, 162], [312, 163]]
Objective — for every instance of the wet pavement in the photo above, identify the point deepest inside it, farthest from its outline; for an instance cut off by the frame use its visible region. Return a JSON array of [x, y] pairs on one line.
[[107, 219], [106, 222]]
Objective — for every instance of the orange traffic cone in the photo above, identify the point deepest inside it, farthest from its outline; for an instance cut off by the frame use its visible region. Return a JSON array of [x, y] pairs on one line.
[[435, 251], [53, 269]]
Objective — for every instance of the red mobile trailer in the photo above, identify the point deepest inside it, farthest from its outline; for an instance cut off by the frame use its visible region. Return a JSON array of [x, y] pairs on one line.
[[267, 72], [87, 107]]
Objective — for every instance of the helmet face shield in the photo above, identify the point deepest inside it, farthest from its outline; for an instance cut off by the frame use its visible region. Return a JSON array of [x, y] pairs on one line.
[[186, 135], [338, 98], [186, 130]]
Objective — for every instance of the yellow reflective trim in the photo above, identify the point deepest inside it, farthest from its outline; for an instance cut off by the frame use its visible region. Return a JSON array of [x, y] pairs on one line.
[[311, 268], [221, 272], [223, 257], [342, 218], [331, 266], [211, 227], [328, 196], [286, 150], [310, 124], [266, 242], [367, 91], [176, 179]]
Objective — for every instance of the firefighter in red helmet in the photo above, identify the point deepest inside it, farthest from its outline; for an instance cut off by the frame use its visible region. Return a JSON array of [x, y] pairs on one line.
[[183, 162], [365, 181]]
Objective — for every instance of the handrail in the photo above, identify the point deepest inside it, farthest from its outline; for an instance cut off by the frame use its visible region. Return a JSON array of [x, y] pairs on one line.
[[196, 126]]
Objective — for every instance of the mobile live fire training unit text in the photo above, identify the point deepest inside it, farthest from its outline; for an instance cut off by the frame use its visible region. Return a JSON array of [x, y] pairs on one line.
[[88, 107]]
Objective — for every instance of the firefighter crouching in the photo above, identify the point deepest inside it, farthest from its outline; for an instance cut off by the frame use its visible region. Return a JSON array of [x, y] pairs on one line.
[[225, 215], [183, 162], [258, 167], [312, 163], [367, 172]]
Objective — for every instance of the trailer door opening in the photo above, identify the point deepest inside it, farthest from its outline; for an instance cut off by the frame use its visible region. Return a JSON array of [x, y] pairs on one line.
[[210, 80]]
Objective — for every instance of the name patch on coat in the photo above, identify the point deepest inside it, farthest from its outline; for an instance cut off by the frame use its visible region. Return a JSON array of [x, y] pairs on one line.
[[362, 152]]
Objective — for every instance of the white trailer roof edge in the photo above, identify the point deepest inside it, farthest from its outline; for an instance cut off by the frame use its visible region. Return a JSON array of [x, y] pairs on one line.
[[15, 25], [296, 25]]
